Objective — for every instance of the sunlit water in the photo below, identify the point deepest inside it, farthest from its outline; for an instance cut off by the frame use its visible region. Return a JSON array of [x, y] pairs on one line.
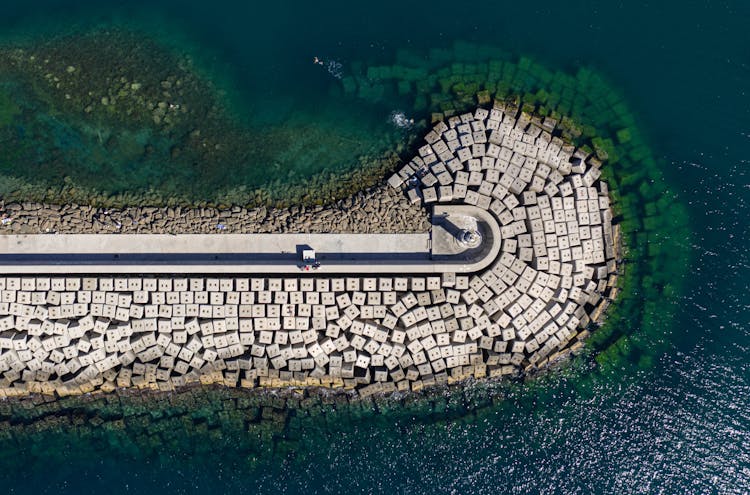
[[682, 426]]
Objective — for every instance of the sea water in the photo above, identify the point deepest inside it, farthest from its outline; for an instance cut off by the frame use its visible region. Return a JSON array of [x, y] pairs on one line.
[[680, 425]]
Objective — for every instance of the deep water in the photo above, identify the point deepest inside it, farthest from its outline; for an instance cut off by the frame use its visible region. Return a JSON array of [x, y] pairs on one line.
[[679, 425]]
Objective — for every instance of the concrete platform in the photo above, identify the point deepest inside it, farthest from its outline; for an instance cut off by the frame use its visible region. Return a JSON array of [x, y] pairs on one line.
[[239, 253]]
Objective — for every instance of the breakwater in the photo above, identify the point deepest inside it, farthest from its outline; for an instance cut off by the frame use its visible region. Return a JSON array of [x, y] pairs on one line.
[[554, 273]]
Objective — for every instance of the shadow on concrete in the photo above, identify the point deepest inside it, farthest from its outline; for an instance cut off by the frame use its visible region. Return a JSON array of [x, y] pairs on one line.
[[301, 248], [448, 223]]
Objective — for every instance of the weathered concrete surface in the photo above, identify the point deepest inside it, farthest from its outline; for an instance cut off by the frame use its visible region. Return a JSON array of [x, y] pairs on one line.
[[214, 244]]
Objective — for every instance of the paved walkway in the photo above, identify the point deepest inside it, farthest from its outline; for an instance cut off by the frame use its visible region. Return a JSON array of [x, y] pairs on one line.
[[238, 253]]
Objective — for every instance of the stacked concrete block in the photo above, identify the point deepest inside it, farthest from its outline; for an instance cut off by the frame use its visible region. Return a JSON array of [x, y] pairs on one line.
[[556, 221], [555, 274]]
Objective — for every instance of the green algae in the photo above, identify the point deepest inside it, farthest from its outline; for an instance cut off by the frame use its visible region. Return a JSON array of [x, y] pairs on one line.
[[111, 117], [8, 109], [260, 426]]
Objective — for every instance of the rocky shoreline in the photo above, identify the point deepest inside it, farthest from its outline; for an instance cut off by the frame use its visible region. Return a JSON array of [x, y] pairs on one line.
[[379, 209]]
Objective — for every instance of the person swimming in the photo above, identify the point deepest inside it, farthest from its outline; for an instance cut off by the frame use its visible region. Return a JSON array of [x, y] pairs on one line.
[[317, 61]]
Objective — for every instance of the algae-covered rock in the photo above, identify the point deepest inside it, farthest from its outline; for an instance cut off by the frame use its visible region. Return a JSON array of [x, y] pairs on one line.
[[8, 109]]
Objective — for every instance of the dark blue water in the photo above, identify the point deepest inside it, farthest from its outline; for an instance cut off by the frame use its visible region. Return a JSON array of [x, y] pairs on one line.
[[680, 426]]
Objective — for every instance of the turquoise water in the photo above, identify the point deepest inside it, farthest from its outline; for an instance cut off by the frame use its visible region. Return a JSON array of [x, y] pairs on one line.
[[679, 426]]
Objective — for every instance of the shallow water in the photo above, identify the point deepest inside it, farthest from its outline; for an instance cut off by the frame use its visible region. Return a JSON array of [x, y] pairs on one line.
[[678, 426]]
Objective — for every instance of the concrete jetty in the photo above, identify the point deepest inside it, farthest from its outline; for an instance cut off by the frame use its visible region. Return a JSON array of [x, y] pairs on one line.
[[520, 255], [259, 253]]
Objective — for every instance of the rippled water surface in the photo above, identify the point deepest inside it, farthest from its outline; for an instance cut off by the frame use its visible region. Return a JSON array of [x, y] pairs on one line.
[[681, 425]]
